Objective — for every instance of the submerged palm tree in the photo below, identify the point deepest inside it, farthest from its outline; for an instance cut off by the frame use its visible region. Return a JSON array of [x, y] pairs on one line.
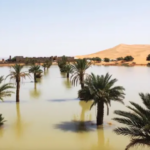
[[68, 70], [17, 75], [137, 122], [78, 71], [35, 69], [4, 92], [102, 90], [44, 66], [48, 64]]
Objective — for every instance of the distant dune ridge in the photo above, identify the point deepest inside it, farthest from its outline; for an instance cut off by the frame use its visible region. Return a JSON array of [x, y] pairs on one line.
[[139, 52]]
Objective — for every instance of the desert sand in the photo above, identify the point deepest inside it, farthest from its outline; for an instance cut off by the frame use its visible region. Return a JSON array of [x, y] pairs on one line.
[[139, 52]]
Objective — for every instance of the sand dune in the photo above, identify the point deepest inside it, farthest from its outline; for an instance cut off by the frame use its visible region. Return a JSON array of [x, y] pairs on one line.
[[139, 52]]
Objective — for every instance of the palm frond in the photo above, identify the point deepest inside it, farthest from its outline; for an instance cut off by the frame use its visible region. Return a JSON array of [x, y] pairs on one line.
[[137, 122]]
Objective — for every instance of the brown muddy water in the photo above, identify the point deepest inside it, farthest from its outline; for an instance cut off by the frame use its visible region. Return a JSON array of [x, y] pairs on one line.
[[50, 117]]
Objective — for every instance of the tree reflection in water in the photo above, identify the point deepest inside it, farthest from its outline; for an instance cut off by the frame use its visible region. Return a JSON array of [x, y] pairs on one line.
[[18, 121], [35, 93], [63, 75], [67, 83], [19, 125], [46, 72]]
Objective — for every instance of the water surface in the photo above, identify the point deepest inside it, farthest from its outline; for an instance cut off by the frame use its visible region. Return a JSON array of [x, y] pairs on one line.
[[50, 116]]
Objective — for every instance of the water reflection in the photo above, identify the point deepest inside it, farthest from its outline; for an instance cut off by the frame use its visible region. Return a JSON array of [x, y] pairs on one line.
[[85, 106], [67, 83], [63, 75], [18, 125], [35, 93], [39, 80], [1, 131], [79, 124], [46, 72]]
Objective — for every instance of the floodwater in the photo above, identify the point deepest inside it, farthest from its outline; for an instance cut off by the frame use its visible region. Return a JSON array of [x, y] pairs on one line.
[[50, 116]]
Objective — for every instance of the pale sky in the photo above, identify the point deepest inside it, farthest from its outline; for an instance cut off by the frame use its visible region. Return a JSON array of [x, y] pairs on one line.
[[71, 27]]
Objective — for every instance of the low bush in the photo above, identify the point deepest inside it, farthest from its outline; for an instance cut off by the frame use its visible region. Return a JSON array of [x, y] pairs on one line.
[[128, 58], [148, 58], [120, 58], [106, 59]]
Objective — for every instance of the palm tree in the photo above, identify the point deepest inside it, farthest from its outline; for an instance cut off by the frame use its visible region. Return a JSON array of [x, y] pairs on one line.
[[4, 89], [102, 90], [44, 66], [35, 69], [68, 70], [137, 122], [4, 92], [78, 71], [48, 64], [17, 75]]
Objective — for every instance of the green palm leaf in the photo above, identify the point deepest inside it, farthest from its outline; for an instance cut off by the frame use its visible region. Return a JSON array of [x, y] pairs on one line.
[[137, 122]]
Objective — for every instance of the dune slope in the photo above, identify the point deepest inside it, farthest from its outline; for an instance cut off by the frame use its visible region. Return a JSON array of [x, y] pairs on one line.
[[139, 52]]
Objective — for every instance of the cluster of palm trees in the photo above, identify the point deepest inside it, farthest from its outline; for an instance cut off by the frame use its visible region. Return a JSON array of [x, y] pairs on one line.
[[102, 91]]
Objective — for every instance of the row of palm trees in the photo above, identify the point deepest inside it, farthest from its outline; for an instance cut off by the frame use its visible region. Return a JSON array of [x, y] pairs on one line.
[[102, 90], [17, 74]]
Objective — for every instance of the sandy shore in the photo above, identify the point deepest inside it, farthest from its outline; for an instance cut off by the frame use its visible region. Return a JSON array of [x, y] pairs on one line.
[[12, 64], [117, 63]]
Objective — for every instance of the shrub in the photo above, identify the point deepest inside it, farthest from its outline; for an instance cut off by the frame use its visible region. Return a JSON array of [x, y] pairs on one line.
[[106, 59], [128, 58], [96, 59], [148, 58], [148, 64], [120, 58]]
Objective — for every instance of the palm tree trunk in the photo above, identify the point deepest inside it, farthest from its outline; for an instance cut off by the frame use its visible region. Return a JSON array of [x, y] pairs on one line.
[[100, 113], [67, 75], [81, 81], [82, 85], [17, 91], [34, 77]]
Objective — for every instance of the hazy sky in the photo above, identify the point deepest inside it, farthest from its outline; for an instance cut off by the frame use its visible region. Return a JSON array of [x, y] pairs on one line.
[[71, 27]]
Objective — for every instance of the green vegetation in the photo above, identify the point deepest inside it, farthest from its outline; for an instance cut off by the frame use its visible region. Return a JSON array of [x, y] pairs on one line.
[[102, 90], [78, 71], [120, 58], [62, 64], [1, 120], [97, 59], [148, 64], [106, 59], [68, 70], [137, 122], [47, 65], [128, 58], [148, 58], [5, 89], [35, 69], [44, 66], [17, 75]]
